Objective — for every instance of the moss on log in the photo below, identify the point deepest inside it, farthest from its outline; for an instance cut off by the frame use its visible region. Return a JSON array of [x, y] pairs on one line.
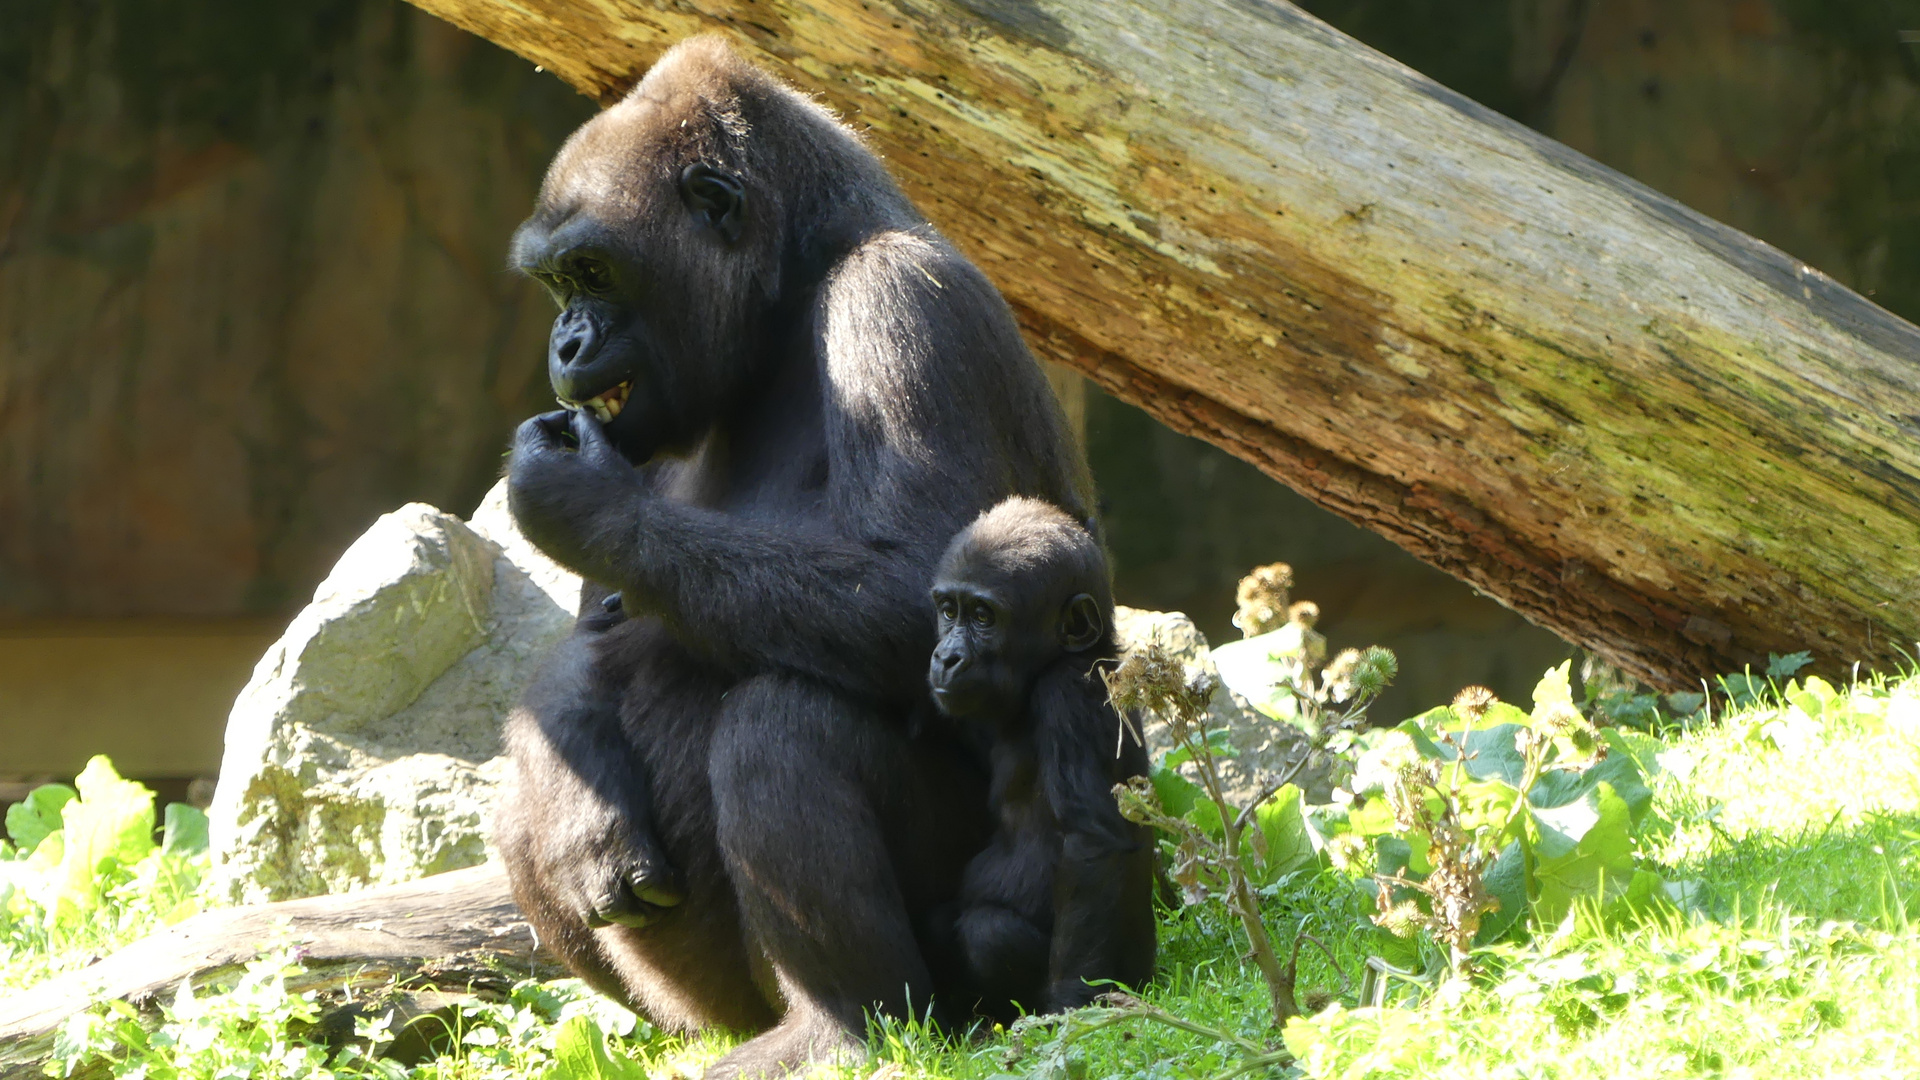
[[1644, 430]]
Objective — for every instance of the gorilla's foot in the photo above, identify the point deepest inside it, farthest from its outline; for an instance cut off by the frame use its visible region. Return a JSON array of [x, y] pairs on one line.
[[793, 1046]]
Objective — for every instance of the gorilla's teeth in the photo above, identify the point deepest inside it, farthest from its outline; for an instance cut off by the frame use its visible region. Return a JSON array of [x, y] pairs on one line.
[[605, 405]]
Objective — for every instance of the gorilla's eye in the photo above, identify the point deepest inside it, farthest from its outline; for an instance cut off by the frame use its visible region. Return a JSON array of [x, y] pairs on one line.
[[593, 275], [949, 611], [983, 616]]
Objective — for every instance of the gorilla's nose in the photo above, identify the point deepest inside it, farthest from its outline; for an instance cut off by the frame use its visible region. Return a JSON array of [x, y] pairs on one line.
[[570, 354]]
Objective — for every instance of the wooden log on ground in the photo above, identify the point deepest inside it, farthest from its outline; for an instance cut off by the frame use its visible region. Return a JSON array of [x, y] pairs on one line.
[[1645, 431], [453, 930]]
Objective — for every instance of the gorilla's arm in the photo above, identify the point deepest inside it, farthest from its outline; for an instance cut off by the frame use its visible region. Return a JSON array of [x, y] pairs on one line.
[[750, 594], [907, 340], [1103, 888]]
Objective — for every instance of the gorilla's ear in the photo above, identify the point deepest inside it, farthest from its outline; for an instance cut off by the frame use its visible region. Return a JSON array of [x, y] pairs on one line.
[[1080, 625], [718, 198]]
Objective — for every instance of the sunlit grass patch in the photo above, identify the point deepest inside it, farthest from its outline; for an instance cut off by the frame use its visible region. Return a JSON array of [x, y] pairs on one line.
[[1791, 831], [1773, 996], [1798, 829]]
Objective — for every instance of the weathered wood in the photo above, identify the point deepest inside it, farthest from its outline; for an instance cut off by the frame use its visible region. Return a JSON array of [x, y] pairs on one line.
[[1643, 430], [455, 929]]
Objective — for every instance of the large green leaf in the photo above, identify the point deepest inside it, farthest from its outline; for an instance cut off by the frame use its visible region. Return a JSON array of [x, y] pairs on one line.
[[112, 818], [1374, 818], [185, 832], [31, 819], [1182, 798], [108, 827], [1285, 843], [1580, 848], [1555, 689], [1506, 881], [1642, 749], [1489, 753], [1618, 772], [580, 1053]]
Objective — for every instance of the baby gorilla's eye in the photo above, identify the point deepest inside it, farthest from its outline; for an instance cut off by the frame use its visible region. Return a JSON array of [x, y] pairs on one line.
[[949, 611], [983, 616]]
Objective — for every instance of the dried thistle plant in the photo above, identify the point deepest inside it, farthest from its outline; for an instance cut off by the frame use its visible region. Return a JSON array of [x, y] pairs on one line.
[[1425, 799], [1261, 599], [1152, 681], [1473, 702]]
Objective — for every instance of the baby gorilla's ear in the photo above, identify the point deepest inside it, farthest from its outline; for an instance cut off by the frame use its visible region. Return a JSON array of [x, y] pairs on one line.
[[1081, 627]]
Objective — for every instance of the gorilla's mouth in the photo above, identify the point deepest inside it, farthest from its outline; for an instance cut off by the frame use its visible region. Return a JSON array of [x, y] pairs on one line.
[[606, 404]]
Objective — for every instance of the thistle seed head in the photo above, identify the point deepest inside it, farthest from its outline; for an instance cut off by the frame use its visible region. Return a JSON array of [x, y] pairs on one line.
[[1262, 599]]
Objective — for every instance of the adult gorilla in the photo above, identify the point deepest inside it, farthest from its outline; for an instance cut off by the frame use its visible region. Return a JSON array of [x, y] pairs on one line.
[[820, 391]]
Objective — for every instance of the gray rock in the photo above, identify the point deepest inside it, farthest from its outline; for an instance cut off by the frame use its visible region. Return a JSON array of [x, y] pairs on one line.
[[366, 748], [1263, 747]]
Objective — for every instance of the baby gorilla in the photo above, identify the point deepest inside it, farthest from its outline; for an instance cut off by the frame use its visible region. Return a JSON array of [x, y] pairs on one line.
[[1063, 893]]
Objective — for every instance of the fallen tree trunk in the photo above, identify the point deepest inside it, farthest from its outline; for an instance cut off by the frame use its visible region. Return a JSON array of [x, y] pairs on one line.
[[457, 930], [1645, 431]]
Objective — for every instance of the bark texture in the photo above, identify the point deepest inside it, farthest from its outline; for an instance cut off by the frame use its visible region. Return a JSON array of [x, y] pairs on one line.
[[1644, 430], [459, 930]]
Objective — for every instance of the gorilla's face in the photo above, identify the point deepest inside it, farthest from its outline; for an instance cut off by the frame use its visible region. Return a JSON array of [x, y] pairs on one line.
[[997, 633], [653, 263]]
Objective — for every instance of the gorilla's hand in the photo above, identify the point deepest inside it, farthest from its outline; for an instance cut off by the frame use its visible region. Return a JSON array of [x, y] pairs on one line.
[[603, 866], [563, 471], [634, 890]]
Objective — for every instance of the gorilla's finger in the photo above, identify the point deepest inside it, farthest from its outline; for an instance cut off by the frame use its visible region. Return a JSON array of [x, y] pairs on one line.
[[659, 885], [545, 430], [644, 915], [618, 906], [593, 438], [626, 909]]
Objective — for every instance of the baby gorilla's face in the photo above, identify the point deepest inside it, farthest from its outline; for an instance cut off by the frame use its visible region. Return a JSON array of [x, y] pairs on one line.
[[989, 649]]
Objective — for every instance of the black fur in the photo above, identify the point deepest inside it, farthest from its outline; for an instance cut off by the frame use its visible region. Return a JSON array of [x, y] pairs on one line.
[[1063, 894], [822, 391]]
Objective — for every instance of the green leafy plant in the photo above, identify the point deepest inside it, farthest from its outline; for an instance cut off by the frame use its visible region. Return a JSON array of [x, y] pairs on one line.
[[1475, 816], [262, 1030], [81, 867]]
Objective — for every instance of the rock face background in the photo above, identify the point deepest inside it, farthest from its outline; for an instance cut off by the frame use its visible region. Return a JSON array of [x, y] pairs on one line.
[[366, 749], [252, 290]]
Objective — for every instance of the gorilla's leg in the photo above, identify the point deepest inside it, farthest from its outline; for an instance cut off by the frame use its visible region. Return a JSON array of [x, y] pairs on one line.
[[568, 833], [815, 799], [574, 703], [1006, 958]]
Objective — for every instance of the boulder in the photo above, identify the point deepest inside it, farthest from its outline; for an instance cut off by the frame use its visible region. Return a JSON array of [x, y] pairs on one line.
[[1263, 747], [366, 748]]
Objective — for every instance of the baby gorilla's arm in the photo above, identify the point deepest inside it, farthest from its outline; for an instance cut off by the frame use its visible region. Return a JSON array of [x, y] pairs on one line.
[[1103, 887]]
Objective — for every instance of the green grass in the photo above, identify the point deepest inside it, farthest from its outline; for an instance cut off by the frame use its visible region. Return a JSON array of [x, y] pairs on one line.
[[1793, 828], [1805, 961]]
